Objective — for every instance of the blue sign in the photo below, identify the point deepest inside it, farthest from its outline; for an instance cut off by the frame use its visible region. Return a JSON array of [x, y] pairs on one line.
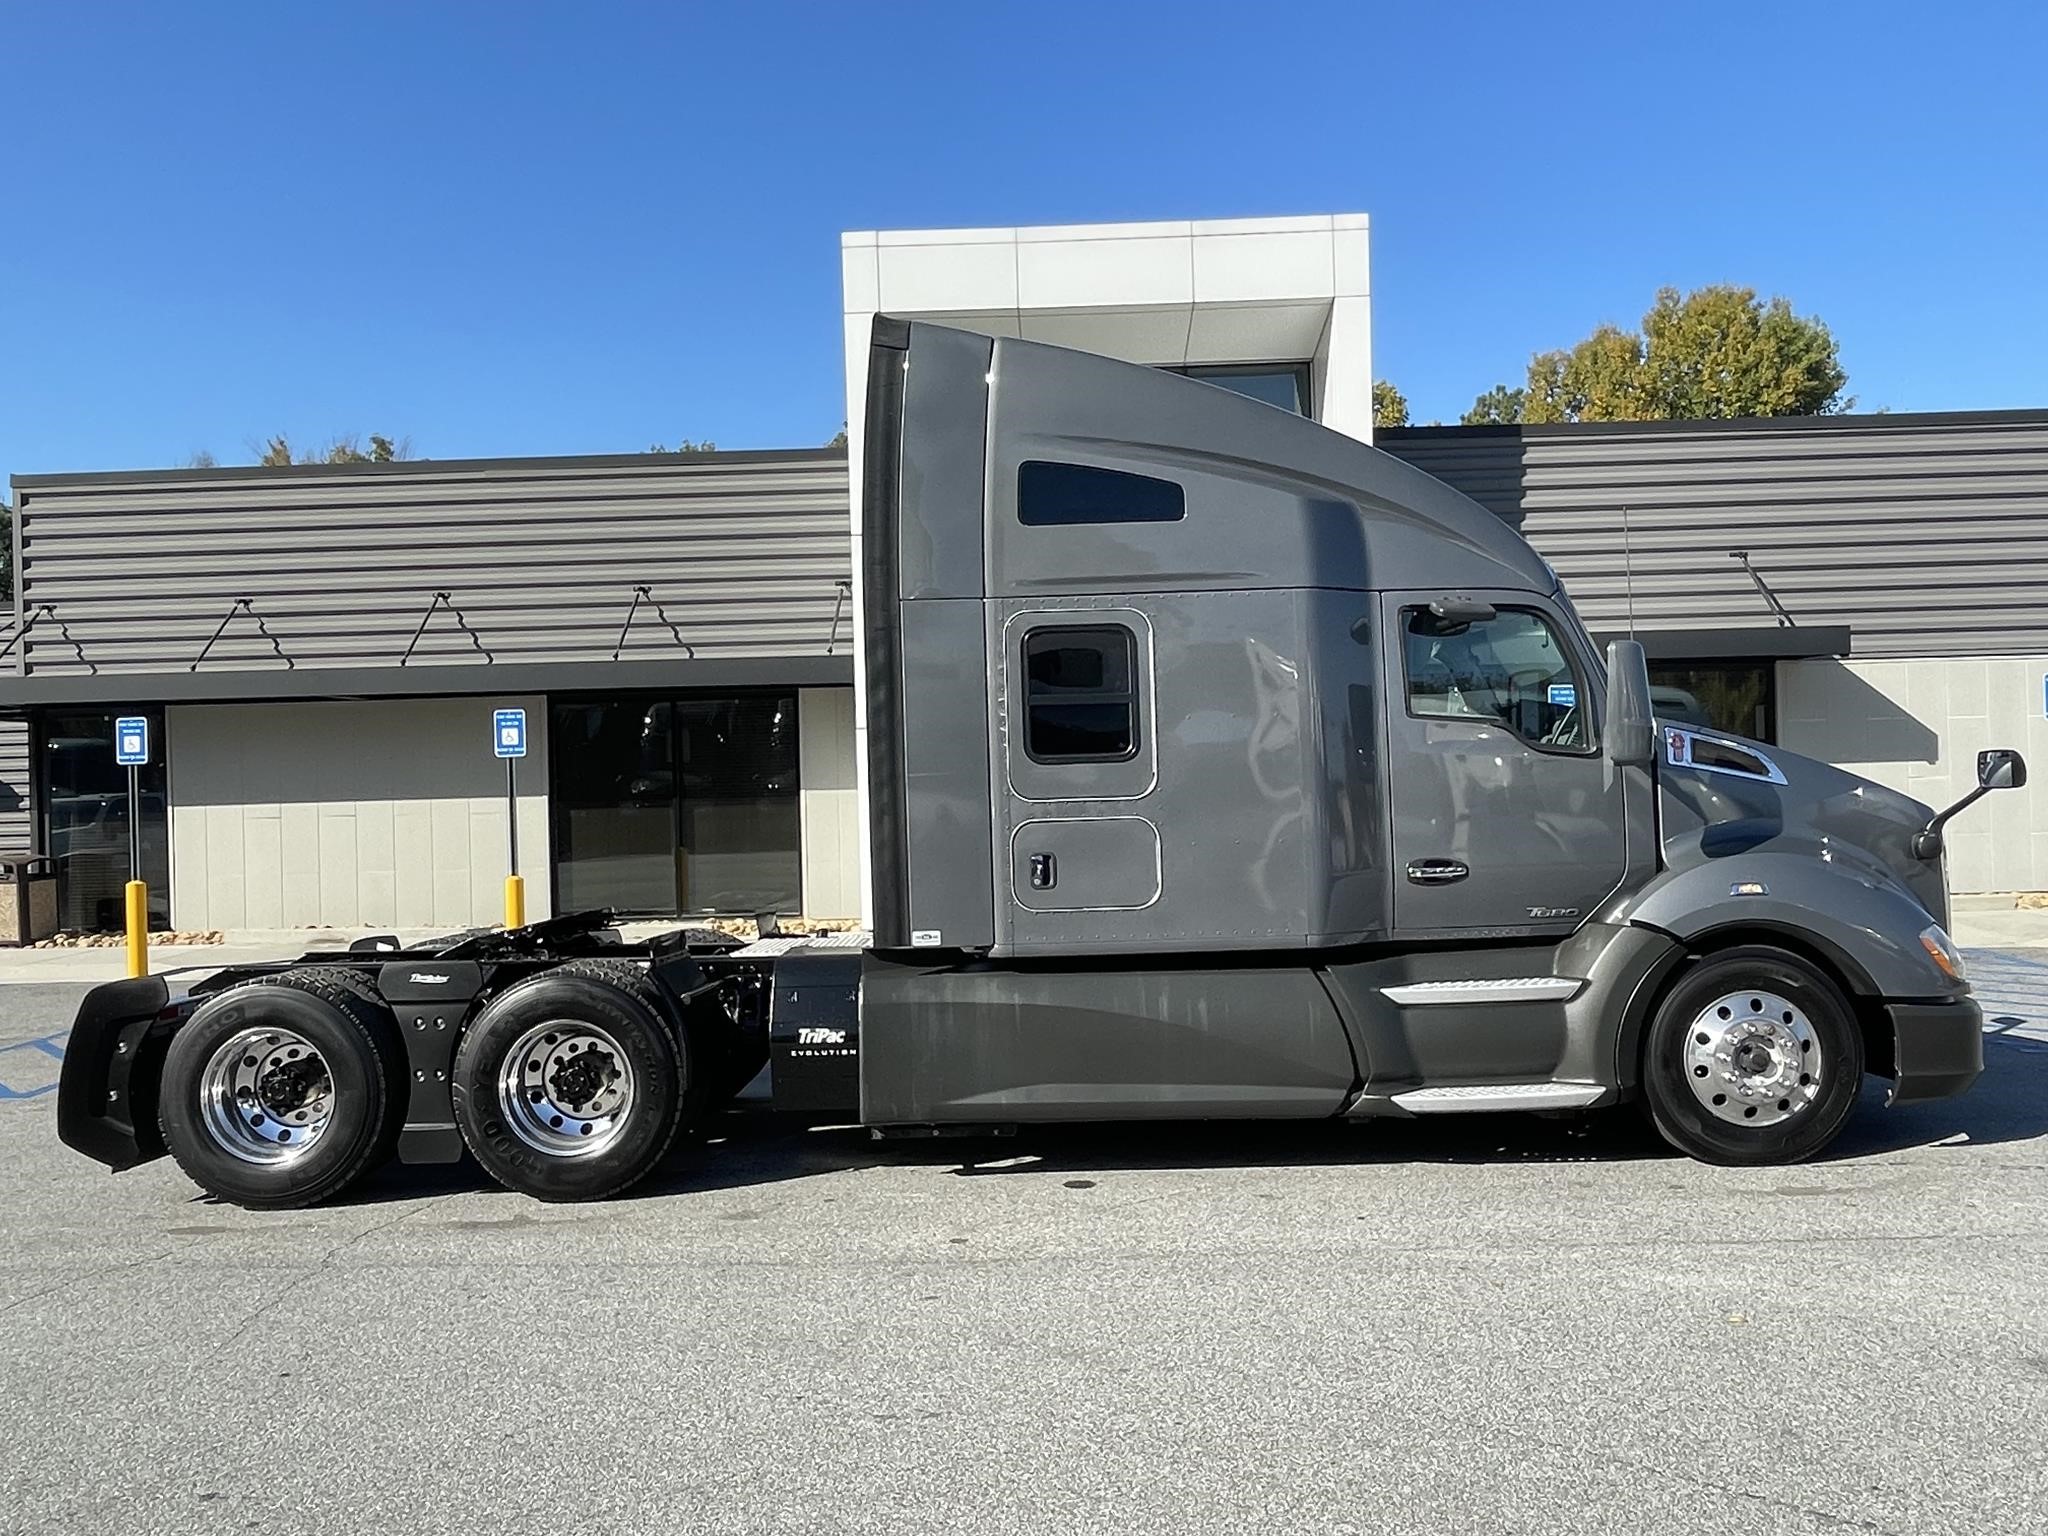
[[131, 741], [1564, 695], [508, 733]]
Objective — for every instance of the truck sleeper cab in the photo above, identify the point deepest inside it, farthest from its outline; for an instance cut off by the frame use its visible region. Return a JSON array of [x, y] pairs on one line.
[[1218, 766]]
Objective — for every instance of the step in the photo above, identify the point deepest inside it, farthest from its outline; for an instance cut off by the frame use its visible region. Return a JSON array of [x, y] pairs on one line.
[[1510, 989], [1484, 1098]]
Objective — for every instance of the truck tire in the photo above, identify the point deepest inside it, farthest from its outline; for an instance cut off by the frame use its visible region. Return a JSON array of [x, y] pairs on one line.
[[283, 1091], [1754, 1058], [572, 1084]]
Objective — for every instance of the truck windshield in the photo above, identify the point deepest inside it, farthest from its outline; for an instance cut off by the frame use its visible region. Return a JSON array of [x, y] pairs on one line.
[[1510, 670]]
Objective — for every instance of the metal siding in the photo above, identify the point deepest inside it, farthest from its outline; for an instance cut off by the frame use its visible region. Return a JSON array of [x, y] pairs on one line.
[[16, 825], [743, 551], [1926, 538]]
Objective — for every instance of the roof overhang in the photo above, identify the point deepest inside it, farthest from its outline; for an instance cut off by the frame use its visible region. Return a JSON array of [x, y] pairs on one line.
[[122, 690], [1785, 642]]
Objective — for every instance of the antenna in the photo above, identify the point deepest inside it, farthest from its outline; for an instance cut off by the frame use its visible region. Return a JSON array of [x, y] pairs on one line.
[[1628, 572]]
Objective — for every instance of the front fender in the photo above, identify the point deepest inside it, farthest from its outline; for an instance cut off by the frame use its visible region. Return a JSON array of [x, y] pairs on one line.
[[1870, 927], [113, 1061]]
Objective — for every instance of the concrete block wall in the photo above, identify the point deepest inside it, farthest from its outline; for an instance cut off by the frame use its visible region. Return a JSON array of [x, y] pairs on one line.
[[1917, 725], [389, 813], [829, 808]]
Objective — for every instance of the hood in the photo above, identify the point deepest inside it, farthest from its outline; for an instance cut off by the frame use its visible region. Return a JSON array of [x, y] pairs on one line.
[[1720, 794]]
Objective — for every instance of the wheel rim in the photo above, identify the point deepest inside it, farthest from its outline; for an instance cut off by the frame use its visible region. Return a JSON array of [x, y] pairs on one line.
[[266, 1096], [1753, 1059], [566, 1088]]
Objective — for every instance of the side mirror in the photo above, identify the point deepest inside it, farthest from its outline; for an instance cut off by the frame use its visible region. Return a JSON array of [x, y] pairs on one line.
[[1997, 768], [1630, 727], [2000, 768]]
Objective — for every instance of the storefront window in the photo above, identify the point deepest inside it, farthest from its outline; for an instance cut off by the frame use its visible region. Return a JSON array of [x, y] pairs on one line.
[[85, 821], [1281, 384], [1738, 697], [682, 804]]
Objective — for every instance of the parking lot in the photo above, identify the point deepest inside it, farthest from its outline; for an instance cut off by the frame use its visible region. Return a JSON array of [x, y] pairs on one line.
[[1490, 1325]]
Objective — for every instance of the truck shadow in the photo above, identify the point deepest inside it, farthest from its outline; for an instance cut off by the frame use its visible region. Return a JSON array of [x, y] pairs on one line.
[[749, 1148]]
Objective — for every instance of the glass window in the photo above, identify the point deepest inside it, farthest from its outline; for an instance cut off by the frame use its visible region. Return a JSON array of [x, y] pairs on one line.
[[1080, 698], [85, 821], [1509, 670], [1279, 384], [1051, 495], [677, 804], [1737, 697]]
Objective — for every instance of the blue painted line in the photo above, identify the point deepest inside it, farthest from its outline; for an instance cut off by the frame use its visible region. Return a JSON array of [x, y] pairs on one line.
[[48, 1045]]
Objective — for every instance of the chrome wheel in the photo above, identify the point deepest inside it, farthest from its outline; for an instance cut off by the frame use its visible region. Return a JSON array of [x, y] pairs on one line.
[[1753, 1058], [565, 1088], [265, 1096]]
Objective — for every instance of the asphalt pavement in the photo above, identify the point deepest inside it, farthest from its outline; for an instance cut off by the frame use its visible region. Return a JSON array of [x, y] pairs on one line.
[[1492, 1325]]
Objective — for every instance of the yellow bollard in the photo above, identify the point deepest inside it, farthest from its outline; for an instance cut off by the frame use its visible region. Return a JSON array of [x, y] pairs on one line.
[[138, 928], [515, 901]]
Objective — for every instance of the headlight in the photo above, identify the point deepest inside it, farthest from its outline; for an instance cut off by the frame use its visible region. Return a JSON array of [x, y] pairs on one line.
[[1942, 951]]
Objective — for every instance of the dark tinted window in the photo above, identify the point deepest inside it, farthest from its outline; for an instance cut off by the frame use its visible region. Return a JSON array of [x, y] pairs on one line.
[[1053, 495], [1280, 384], [1080, 694]]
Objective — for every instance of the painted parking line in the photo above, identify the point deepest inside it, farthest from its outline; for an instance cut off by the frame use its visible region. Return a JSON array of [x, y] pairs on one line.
[[28, 1069]]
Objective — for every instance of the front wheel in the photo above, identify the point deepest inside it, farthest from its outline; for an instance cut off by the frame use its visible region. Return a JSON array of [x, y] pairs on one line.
[[1754, 1057]]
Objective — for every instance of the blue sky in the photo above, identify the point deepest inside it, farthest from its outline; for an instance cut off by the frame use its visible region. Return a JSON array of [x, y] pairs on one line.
[[514, 228]]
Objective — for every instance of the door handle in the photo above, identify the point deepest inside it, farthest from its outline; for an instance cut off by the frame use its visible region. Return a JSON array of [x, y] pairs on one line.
[[1044, 872], [1436, 871]]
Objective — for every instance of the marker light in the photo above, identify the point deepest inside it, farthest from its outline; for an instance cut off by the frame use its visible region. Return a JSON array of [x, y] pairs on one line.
[[1943, 952]]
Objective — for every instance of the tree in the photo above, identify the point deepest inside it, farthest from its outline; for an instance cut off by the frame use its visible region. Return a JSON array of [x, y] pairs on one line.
[[838, 439], [685, 446], [1389, 405], [6, 553], [1498, 406], [1717, 352], [278, 453]]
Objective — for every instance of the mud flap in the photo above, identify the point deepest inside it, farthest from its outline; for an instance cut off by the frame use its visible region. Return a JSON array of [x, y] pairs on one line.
[[113, 1062]]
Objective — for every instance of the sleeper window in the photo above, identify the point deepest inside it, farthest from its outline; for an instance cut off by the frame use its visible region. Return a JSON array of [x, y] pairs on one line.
[[1511, 670], [1080, 694], [1052, 495]]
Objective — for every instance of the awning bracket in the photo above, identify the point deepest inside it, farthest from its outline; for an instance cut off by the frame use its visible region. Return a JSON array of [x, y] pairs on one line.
[[48, 610], [445, 600], [1784, 618], [646, 594], [243, 605], [844, 590]]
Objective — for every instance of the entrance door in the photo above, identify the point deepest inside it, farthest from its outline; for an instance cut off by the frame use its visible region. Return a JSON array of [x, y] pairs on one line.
[[1504, 814]]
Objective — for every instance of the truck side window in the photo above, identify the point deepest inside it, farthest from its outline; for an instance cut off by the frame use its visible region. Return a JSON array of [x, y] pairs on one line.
[[1051, 495], [1510, 670], [1080, 694]]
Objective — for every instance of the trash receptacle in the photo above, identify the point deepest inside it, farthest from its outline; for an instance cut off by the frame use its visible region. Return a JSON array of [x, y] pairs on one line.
[[28, 898]]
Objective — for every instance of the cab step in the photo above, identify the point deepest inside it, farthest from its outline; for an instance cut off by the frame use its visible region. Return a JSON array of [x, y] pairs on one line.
[[1484, 1098]]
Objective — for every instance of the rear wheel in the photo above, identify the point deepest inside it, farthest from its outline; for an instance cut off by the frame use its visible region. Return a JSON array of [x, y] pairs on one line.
[[283, 1091], [572, 1084], [1753, 1058]]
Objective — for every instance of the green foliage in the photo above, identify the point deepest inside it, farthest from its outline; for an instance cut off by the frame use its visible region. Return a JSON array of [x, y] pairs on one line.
[[6, 553], [838, 439], [1717, 352], [1389, 405], [685, 446], [1497, 407], [278, 453]]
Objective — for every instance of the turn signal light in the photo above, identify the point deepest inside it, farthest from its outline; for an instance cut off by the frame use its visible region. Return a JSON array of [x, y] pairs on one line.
[[1943, 952]]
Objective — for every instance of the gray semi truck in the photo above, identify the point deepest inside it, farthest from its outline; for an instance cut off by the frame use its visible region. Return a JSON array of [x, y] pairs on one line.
[[1218, 765]]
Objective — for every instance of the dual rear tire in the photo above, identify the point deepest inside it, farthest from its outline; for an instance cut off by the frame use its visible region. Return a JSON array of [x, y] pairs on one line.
[[570, 1085]]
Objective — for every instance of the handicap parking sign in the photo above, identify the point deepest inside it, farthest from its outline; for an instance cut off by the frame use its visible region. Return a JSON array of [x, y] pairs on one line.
[[508, 732], [131, 741]]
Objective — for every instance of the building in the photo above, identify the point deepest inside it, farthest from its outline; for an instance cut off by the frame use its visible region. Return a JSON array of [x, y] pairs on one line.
[[322, 648]]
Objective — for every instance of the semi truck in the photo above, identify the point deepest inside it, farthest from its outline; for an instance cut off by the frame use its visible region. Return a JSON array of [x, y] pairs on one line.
[[1217, 766]]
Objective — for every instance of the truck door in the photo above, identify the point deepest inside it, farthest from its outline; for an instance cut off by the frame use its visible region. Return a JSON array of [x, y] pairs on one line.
[[1503, 814]]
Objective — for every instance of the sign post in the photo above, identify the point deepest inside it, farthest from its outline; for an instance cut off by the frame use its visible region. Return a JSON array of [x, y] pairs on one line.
[[131, 751], [508, 740]]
